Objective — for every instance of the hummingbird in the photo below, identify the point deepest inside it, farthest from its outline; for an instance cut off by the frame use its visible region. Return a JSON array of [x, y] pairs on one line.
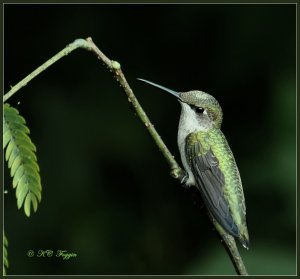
[[208, 161]]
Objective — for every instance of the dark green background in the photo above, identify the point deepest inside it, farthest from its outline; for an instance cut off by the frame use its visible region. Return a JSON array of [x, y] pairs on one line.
[[107, 194]]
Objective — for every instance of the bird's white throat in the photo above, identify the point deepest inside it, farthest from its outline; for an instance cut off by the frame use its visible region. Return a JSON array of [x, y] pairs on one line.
[[189, 122]]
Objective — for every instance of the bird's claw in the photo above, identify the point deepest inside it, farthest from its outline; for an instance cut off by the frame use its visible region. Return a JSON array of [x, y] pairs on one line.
[[179, 174]]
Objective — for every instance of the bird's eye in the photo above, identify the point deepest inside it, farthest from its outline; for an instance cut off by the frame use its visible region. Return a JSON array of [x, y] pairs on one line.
[[199, 109]]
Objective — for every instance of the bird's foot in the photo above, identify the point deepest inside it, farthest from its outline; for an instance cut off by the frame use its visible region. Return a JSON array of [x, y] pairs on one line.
[[179, 174]]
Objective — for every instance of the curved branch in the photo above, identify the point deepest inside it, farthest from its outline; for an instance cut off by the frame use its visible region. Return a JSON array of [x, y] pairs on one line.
[[175, 170], [115, 67]]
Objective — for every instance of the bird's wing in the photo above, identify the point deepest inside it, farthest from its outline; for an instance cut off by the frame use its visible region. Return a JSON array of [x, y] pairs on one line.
[[210, 181]]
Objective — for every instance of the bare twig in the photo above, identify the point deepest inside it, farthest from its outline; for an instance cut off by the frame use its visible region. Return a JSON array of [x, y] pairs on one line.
[[68, 49], [175, 169], [115, 67], [230, 245]]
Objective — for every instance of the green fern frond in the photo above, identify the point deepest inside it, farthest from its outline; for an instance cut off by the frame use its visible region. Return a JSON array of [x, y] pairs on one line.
[[21, 158], [5, 258]]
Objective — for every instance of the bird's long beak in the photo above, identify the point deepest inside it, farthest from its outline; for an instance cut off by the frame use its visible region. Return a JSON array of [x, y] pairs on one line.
[[174, 93]]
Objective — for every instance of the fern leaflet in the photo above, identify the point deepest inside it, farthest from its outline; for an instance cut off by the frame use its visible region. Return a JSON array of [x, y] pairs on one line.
[[21, 158], [5, 258]]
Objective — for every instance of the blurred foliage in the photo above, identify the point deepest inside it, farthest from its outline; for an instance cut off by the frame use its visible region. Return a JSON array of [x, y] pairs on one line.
[[121, 212]]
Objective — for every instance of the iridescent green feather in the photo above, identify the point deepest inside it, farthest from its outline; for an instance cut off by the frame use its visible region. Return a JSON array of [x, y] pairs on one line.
[[233, 190], [233, 186], [209, 145]]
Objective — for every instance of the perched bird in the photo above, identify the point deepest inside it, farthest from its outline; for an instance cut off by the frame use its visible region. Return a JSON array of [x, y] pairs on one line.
[[208, 160]]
